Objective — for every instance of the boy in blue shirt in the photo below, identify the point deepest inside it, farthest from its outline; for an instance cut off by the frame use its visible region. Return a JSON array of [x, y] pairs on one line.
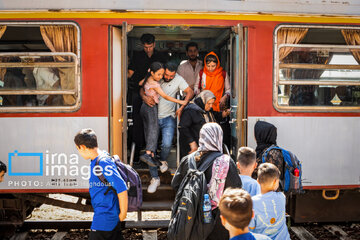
[[246, 163], [269, 206], [109, 208], [236, 212]]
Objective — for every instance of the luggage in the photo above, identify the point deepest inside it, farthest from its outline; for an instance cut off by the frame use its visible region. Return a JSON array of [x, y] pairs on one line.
[[187, 216], [132, 180], [291, 172]]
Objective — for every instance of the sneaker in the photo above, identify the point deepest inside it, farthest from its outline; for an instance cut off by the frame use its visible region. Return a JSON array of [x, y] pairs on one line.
[[164, 166], [154, 183], [149, 160]]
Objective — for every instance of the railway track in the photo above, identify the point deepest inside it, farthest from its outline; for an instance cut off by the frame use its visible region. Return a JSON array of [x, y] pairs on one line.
[[69, 229], [314, 231]]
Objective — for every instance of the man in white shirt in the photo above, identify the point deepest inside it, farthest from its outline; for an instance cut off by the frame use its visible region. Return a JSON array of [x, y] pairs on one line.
[[171, 84], [190, 69]]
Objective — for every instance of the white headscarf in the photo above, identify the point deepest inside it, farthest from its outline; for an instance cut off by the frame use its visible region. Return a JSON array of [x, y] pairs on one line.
[[211, 138]]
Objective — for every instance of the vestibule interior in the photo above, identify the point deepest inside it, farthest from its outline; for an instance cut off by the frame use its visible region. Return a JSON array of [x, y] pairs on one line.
[[172, 40]]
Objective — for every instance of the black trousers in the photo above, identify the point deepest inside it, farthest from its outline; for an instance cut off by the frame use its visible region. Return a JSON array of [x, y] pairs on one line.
[[138, 127], [115, 234]]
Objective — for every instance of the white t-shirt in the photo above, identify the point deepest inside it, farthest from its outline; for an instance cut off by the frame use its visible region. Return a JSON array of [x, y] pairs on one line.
[[269, 209], [167, 108]]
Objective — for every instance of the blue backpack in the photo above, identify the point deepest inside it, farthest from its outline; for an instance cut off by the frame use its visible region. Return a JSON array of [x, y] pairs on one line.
[[291, 172], [132, 180]]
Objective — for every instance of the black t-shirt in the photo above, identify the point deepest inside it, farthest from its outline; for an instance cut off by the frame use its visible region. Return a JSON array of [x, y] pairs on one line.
[[140, 64]]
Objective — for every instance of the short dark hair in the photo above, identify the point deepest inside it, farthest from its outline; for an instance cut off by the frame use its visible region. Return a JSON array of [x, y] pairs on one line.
[[211, 58], [191, 44], [171, 66], [3, 167], [267, 172], [236, 207], [86, 137], [147, 38], [246, 156]]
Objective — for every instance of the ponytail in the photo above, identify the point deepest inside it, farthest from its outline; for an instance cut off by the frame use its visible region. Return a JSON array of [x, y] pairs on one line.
[[154, 67]]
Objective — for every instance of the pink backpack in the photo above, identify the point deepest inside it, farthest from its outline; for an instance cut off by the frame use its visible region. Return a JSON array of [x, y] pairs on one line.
[[216, 185]]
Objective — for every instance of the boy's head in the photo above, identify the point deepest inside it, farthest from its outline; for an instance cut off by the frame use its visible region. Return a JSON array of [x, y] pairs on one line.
[[268, 176], [3, 170], [85, 140], [246, 160], [236, 208]]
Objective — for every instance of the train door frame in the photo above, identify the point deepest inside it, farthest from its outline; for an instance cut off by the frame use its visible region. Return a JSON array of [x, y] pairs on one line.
[[117, 90], [238, 101]]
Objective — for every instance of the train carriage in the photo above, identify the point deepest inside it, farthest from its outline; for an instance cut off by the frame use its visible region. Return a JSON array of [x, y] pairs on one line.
[[63, 67]]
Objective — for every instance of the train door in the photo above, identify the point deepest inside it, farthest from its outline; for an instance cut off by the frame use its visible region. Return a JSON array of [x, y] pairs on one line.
[[238, 115], [117, 91]]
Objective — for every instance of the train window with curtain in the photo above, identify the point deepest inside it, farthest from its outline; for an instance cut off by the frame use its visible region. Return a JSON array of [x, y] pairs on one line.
[[39, 67], [316, 68]]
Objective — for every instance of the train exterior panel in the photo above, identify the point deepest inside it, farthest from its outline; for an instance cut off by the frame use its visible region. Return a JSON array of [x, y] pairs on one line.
[[40, 163]]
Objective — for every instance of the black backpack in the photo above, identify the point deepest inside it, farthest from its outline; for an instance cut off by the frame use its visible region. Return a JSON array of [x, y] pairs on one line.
[[187, 214]]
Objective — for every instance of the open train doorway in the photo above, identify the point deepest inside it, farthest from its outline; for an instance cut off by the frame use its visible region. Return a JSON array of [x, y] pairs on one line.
[[171, 40]]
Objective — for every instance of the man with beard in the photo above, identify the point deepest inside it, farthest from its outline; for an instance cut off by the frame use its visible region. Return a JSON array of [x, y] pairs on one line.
[[190, 69], [171, 84]]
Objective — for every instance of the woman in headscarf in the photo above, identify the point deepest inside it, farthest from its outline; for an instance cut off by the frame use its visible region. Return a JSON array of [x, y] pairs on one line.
[[214, 78], [221, 174], [194, 116], [265, 136]]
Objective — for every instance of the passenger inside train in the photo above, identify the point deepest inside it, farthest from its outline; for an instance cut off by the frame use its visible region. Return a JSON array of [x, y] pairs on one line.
[[33, 69], [185, 47], [318, 59]]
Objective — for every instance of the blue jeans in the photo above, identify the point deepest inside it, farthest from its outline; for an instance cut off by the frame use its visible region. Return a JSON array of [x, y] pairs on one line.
[[167, 128]]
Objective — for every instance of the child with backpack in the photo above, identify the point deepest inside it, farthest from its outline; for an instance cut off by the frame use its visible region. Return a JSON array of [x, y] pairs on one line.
[[236, 212], [149, 115], [269, 206], [110, 208], [246, 163]]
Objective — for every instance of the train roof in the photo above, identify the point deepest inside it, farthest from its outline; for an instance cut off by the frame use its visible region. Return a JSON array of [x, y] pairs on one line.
[[321, 7]]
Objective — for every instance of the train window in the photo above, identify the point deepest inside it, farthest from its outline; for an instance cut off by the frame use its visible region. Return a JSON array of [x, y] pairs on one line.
[[317, 68], [39, 67]]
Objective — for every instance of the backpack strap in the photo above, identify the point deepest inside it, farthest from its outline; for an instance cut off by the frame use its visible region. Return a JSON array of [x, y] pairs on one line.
[[264, 156], [286, 154], [208, 161], [103, 179]]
